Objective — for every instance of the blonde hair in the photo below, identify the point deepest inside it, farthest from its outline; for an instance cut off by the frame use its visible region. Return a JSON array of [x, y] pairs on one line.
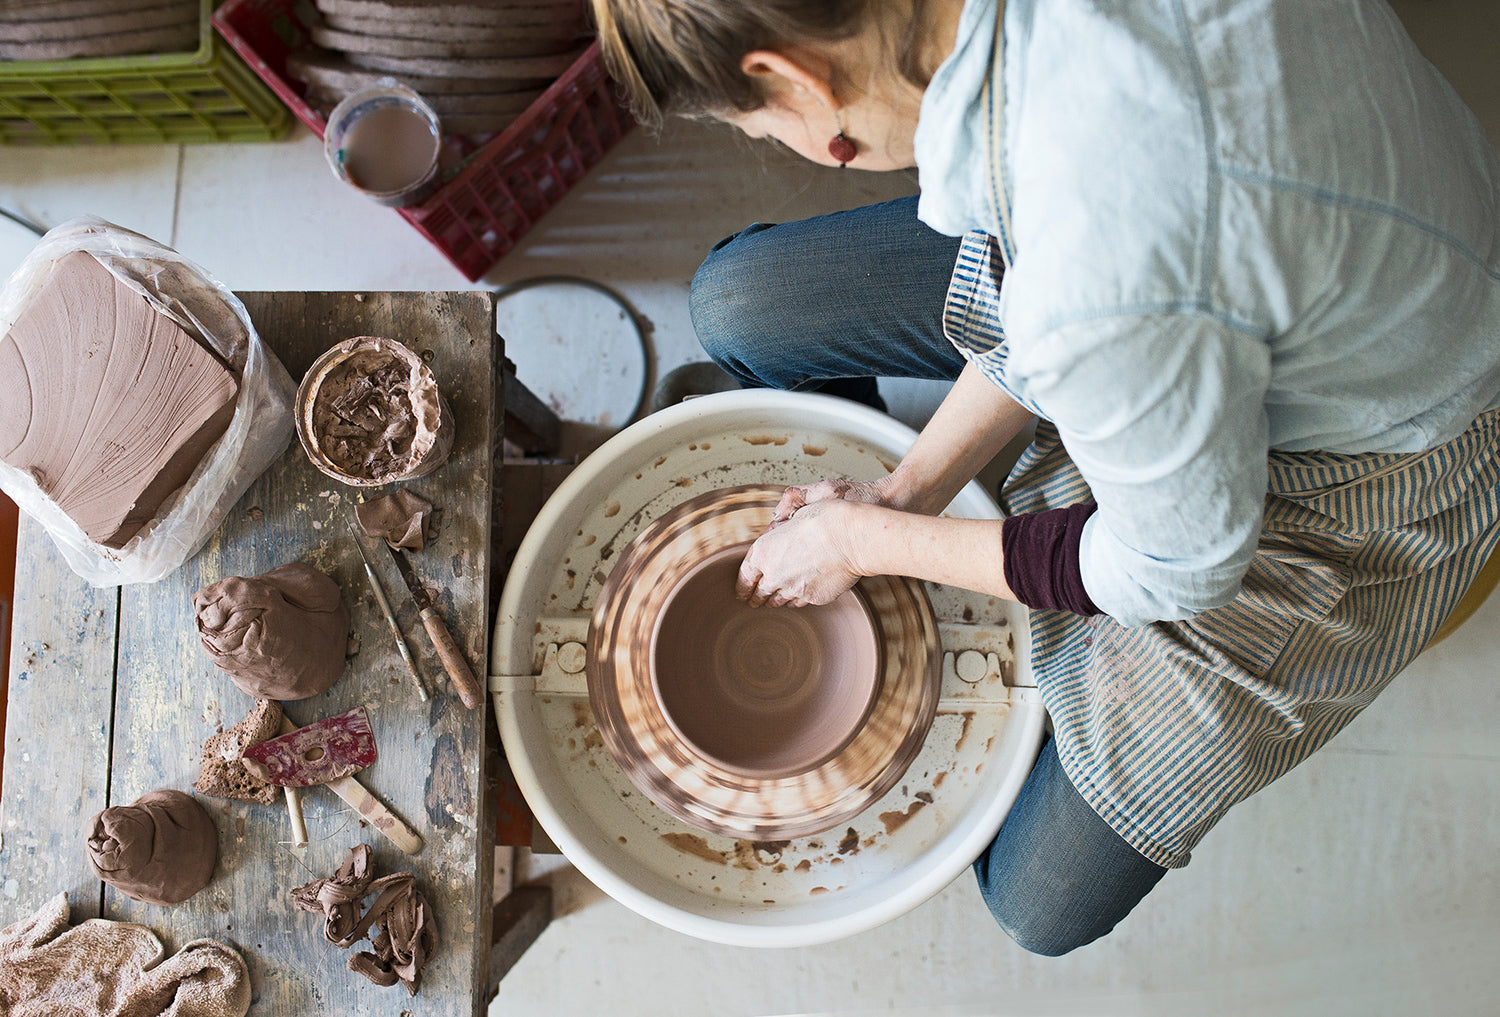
[[682, 57]]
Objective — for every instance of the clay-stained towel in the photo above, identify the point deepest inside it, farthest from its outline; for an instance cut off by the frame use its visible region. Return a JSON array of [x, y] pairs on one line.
[[109, 405], [113, 969], [407, 935]]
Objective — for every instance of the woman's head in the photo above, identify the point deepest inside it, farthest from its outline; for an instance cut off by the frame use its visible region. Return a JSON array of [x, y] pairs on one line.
[[738, 59]]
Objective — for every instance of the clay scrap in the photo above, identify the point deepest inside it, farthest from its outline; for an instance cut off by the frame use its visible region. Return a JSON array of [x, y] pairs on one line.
[[281, 635], [110, 406], [479, 63], [65, 29], [319, 753], [407, 934], [160, 849], [403, 519], [222, 772]]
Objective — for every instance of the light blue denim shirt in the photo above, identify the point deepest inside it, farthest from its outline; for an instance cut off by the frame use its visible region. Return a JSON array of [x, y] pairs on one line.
[[1237, 225]]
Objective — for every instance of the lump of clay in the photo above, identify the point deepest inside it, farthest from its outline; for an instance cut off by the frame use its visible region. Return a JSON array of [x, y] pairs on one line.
[[109, 405], [281, 635], [402, 519], [160, 849], [222, 773]]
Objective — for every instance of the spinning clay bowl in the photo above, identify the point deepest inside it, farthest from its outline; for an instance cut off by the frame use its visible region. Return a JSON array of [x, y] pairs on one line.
[[760, 723]]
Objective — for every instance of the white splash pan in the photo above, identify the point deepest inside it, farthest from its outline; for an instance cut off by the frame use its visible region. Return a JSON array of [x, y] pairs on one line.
[[892, 857]]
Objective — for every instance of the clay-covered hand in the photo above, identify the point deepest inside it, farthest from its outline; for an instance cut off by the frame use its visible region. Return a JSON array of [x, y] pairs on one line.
[[804, 558], [798, 496]]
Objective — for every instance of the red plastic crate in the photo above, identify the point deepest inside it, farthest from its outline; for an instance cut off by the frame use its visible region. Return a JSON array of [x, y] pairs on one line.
[[502, 188]]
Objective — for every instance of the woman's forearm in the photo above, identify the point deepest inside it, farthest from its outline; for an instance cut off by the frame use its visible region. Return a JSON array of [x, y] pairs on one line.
[[966, 553], [974, 422]]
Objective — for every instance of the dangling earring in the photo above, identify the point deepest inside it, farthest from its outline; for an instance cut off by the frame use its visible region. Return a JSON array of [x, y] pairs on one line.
[[841, 148]]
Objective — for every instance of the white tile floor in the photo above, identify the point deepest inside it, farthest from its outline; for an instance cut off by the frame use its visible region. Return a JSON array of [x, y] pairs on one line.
[[1364, 883]]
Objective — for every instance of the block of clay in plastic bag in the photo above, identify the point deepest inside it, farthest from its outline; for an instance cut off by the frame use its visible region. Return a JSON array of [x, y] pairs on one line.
[[108, 404]]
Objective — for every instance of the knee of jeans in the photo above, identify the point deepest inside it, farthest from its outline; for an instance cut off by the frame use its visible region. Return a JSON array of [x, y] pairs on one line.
[[1035, 926], [1038, 931], [737, 322]]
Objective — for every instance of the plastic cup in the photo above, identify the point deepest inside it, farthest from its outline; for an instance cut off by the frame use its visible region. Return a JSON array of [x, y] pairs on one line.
[[383, 141]]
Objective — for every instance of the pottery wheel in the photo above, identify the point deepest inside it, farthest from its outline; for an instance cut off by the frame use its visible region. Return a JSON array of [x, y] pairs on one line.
[[762, 723], [748, 890]]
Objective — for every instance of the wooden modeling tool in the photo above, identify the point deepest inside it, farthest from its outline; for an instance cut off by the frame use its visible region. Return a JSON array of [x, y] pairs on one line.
[[294, 812], [370, 808], [442, 641], [390, 617]]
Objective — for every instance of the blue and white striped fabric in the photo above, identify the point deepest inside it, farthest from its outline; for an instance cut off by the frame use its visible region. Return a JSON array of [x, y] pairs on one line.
[[1162, 728]]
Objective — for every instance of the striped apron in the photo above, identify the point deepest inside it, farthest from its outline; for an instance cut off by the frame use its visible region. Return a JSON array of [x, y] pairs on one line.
[[1163, 727], [1361, 558]]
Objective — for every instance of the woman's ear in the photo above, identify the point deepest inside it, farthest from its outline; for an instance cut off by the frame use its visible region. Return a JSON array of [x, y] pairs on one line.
[[788, 73]]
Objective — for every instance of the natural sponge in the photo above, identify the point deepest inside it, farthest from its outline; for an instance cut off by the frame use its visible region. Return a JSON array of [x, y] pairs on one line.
[[221, 772], [281, 635], [160, 849]]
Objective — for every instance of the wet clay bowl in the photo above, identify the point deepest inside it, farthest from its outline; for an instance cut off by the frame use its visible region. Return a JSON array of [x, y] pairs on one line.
[[369, 412], [757, 723]]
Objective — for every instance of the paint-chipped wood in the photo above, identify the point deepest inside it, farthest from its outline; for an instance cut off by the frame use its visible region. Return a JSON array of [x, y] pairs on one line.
[[57, 732], [167, 697]]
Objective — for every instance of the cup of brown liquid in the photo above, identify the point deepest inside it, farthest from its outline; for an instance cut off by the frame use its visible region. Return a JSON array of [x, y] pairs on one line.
[[383, 140]]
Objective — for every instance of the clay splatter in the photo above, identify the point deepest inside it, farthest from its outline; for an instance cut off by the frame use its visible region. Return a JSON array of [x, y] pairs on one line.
[[692, 844], [896, 820]]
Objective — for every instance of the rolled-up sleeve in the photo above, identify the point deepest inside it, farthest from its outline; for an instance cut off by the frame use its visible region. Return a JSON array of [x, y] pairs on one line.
[[1164, 416]]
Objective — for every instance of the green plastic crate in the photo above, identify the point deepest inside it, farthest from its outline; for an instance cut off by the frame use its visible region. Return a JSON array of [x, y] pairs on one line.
[[208, 94]]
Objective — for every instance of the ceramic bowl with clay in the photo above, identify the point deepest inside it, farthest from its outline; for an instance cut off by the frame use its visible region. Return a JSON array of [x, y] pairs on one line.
[[369, 412], [763, 723]]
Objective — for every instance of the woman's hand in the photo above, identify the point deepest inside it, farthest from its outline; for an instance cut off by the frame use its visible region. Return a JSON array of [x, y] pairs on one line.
[[870, 492], [805, 556]]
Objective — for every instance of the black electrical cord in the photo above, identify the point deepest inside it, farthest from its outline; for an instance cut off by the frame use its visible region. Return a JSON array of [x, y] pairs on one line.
[[648, 354], [21, 220]]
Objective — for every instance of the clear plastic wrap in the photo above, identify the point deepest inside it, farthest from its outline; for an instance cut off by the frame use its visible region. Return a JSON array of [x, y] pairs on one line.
[[258, 433]]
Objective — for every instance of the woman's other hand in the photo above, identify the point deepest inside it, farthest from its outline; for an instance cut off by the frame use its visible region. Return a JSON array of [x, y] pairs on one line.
[[870, 492]]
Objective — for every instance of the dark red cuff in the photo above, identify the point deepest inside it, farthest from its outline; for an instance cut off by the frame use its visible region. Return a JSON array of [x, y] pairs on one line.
[[1041, 558]]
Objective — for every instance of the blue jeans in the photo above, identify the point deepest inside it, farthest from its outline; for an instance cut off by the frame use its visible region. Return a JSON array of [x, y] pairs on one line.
[[830, 304]]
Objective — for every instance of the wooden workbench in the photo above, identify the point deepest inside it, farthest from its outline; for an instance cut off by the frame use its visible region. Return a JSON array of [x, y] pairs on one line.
[[112, 695]]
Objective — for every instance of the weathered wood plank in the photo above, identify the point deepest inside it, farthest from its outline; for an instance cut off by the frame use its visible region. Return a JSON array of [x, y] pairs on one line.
[[57, 733], [170, 698]]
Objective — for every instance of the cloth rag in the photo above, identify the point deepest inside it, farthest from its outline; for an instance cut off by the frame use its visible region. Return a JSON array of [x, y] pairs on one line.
[[102, 968]]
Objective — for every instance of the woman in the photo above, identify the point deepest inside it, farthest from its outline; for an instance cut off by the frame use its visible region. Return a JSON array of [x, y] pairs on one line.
[[1240, 259]]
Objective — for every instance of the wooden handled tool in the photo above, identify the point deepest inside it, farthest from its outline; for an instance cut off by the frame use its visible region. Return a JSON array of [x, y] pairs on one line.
[[371, 808], [390, 617], [442, 640]]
